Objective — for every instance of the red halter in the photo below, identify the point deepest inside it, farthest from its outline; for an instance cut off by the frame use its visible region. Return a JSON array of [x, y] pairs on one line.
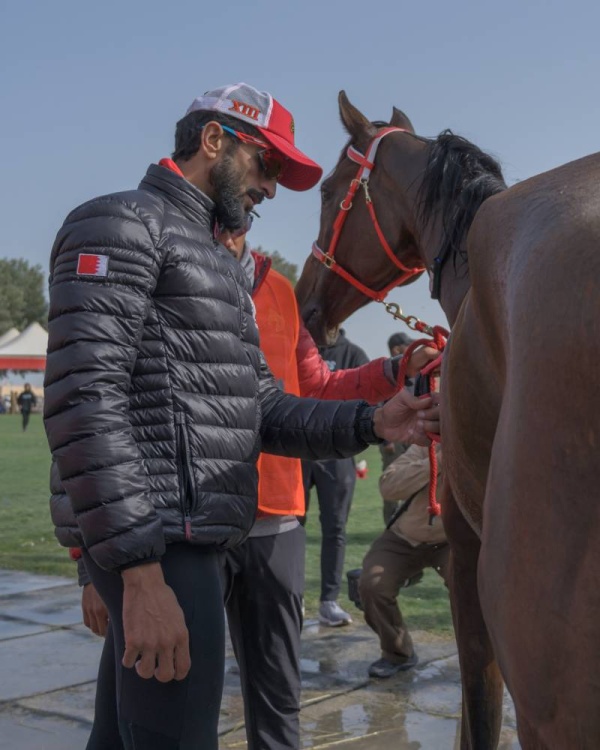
[[366, 166]]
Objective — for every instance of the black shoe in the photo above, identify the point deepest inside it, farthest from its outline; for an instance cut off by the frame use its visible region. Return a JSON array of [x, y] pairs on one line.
[[384, 668], [353, 593]]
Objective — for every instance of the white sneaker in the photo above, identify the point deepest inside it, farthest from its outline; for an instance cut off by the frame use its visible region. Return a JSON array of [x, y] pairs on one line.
[[332, 615]]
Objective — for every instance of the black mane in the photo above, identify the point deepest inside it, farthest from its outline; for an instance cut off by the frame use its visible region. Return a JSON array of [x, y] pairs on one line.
[[458, 178]]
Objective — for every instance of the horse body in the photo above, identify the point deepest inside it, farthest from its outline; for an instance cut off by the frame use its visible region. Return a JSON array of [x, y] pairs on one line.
[[521, 422], [523, 335], [525, 325]]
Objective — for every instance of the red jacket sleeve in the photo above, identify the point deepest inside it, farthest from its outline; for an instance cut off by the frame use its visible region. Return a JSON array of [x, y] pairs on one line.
[[372, 382]]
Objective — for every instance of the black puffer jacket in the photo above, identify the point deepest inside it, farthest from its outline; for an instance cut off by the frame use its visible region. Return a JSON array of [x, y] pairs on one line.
[[155, 383]]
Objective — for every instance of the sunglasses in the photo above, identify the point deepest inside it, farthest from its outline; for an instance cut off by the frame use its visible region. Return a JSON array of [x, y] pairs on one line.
[[247, 226], [271, 162]]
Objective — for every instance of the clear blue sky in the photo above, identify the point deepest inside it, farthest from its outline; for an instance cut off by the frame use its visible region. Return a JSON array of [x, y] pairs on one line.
[[90, 93]]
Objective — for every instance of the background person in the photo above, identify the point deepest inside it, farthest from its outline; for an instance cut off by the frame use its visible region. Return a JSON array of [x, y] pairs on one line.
[[408, 546], [334, 483], [27, 401], [264, 576], [397, 343]]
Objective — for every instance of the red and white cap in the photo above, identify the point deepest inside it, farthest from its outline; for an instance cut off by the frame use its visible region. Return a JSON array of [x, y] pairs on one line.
[[274, 122]]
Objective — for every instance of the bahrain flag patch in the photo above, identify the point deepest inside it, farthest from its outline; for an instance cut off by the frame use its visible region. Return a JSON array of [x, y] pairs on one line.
[[92, 265]]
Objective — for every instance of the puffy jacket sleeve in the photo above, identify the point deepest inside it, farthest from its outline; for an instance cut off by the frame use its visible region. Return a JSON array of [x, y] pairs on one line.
[[94, 329], [372, 382], [309, 428]]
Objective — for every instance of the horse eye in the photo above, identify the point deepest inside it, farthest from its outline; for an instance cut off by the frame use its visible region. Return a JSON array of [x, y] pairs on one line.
[[325, 194]]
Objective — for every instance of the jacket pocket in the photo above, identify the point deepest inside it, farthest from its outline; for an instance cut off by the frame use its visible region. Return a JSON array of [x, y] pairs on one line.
[[185, 473]]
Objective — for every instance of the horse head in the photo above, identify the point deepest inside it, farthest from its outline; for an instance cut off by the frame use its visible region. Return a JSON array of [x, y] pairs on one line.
[[394, 205], [326, 299]]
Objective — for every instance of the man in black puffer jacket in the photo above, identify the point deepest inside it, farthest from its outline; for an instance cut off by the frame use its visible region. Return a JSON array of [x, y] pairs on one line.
[[157, 398]]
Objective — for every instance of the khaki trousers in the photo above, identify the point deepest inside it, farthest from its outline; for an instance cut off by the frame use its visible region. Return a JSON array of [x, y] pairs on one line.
[[387, 565]]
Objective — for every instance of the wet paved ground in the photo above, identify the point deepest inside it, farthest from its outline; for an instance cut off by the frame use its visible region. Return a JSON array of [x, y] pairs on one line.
[[48, 662]]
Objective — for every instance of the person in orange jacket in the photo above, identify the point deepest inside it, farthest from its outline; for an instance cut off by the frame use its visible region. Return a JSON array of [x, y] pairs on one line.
[[264, 576]]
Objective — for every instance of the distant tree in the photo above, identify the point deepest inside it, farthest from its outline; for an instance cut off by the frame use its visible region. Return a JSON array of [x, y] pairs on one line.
[[287, 269], [22, 298]]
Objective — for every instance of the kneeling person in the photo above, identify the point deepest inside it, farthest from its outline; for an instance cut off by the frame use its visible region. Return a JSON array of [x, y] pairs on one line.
[[408, 546]]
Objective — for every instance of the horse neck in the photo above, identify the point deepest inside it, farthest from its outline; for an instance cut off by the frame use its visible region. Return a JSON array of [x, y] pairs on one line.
[[407, 172], [455, 282]]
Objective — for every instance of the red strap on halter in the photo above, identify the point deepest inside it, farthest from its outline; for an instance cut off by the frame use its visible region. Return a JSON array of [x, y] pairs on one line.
[[333, 265], [366, 164], [361, 159], [388, 250], [345, 206]]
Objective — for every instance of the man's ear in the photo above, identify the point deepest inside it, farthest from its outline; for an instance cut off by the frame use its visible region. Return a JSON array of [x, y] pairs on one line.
[[212, 140]]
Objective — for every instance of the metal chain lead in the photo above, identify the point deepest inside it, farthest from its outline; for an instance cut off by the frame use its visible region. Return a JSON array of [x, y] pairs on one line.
[[393, 309]]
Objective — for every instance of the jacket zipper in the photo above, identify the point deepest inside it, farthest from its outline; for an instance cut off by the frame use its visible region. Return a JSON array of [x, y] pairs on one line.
[[184, 473], [240, 302]]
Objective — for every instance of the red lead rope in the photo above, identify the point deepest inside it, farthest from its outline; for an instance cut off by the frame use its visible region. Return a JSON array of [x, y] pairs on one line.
[[439, 342], [434, 506]]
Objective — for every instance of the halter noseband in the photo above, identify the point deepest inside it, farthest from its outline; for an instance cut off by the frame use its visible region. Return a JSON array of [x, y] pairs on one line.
[[366, 165]]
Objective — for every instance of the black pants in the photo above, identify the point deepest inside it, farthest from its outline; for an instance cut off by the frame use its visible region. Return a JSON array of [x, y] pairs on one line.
[[25, 417], [334, 482], [264, 587], [164, 716]]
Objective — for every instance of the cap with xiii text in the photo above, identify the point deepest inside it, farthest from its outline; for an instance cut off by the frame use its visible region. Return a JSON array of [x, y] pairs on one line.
[[274, 122]]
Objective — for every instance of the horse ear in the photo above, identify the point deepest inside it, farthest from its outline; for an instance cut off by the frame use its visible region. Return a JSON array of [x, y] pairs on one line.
[[400, 120], [357, 125]]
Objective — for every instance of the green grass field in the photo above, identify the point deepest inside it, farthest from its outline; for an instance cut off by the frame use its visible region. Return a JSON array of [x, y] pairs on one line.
[[27, 540]]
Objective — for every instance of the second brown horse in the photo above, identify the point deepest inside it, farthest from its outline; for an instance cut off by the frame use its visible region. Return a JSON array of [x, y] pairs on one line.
[[517, 272]]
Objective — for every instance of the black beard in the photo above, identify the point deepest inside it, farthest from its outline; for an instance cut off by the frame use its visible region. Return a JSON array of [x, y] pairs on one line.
[[229, 210]]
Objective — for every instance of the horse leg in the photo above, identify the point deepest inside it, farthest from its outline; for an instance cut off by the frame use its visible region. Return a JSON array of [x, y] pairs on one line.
[[529, 737], [482, 686]]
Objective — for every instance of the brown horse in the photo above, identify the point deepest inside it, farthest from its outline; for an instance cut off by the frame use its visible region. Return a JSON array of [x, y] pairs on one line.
[[517, 272]]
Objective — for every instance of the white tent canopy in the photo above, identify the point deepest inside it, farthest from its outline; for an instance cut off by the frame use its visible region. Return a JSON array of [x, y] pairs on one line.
[[11, 334], [26, 351]]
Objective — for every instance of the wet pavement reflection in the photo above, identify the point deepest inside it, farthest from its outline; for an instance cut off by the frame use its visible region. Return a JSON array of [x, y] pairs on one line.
[[342, 706], [48, 663]]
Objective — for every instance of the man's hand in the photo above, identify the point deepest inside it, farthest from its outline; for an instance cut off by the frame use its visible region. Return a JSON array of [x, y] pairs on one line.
[[407, 418], [419, 358], [156, 636], [95, 614]]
